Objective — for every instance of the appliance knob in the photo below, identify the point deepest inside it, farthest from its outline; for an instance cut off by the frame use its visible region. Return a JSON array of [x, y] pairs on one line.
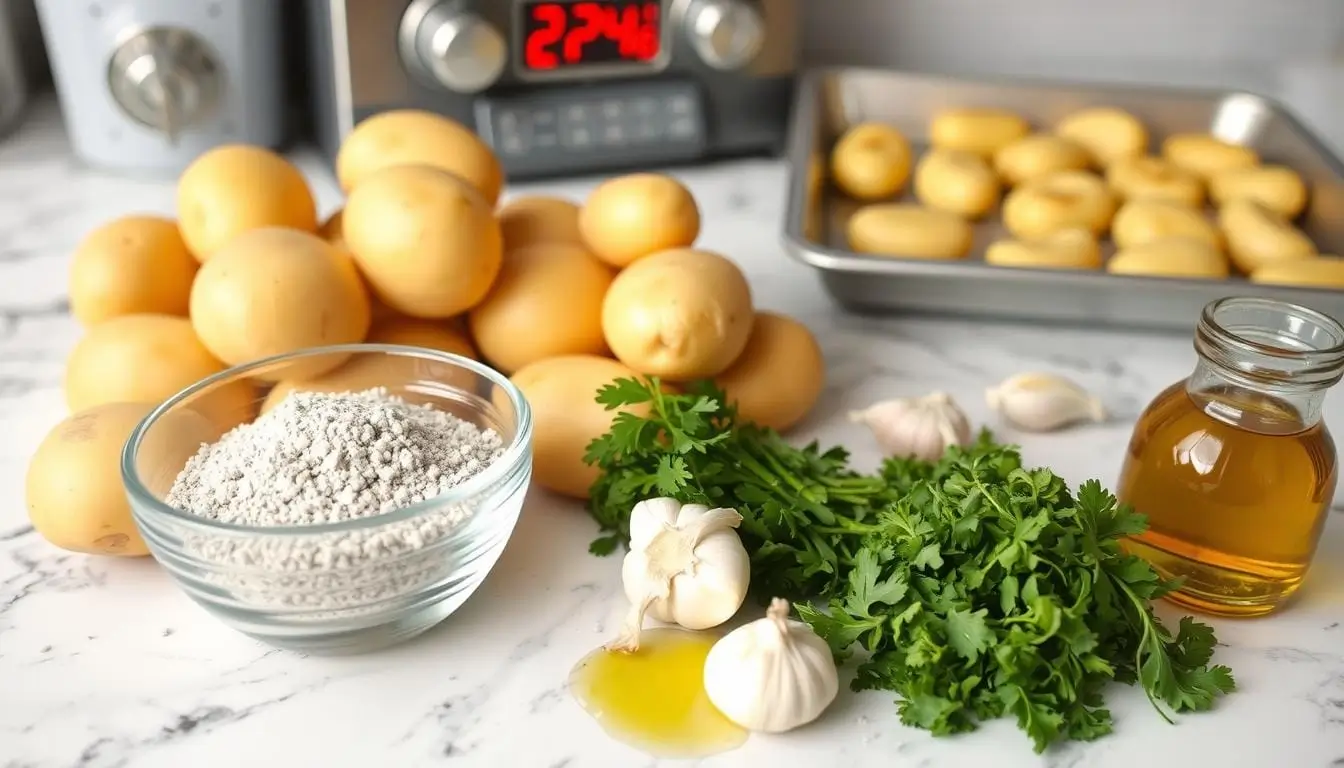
[[460, 50], [165, 78], [726, 33]]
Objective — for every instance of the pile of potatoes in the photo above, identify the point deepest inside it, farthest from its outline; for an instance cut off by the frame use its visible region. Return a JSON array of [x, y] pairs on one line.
[[1202, 208]]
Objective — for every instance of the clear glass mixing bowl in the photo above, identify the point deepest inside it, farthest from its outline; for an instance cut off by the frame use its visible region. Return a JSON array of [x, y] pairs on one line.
[[340, 587]]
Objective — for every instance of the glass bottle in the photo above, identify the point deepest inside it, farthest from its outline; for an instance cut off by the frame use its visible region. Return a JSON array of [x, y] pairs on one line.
[[1233, 466]]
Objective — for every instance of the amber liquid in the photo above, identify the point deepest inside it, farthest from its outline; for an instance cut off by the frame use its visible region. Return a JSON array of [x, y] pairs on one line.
[[1236, 490]]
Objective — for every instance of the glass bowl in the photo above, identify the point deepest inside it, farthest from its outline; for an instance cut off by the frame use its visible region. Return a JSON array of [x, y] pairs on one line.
[[341, 587]]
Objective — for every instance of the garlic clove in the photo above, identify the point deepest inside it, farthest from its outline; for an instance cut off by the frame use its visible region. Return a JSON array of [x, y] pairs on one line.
[[922, 427], [1043, 402]]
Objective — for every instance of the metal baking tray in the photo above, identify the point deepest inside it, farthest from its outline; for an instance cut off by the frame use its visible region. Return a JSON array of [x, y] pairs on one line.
[[830, 100]]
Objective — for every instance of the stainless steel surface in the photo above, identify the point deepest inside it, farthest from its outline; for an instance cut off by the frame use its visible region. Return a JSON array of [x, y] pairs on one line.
[[829, 100], [166, 79], [13, 77], [726, 33], [458, 49]]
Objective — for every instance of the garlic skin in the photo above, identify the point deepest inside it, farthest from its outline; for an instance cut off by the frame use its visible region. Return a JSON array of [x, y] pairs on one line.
[[922, 427], [686, 566], [1043, 402], [772, 675]]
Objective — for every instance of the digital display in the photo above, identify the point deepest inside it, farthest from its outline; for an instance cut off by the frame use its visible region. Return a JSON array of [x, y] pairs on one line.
[[558, 35]]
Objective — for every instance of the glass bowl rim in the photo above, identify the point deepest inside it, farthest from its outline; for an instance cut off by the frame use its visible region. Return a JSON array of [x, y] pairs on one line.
[[517, 452]]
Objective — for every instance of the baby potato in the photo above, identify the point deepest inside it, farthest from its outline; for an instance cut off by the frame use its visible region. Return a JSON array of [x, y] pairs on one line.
[[909, 231], [234, 189], [1257, 236], [1276, 187], [414, 332], [1061, 200], [531, 220], [1037, 155], [332, 231], [980, 130], [1152, 178], [415, 137], [1206, 156], [630, 217], [1141, 221], [956, 182], [547, 302], [1171, 257], [871, 161], [426, 243], [1319, 272], [779, 376], [679, 314], [1064, 249], [133, 265], [1109, 134]]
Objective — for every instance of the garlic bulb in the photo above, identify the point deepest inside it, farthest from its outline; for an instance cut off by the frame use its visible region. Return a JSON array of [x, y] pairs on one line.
[[771, 675], [1041, 402], [686, 566], [922, 427]]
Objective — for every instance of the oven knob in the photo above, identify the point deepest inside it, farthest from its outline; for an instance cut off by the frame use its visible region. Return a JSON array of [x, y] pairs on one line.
[[726, 33], [460, 50], [166, 79]]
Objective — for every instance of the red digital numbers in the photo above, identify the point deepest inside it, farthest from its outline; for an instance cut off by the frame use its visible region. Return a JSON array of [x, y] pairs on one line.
[[564, 34]]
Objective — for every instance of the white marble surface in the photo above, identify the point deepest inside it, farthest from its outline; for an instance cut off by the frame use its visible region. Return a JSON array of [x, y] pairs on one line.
[[104, 664]]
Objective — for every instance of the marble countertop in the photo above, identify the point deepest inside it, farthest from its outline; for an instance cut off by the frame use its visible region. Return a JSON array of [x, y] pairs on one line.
[[105, 664]]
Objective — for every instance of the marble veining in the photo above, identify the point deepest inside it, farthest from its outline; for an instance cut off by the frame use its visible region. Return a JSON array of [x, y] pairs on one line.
[[105, 664]]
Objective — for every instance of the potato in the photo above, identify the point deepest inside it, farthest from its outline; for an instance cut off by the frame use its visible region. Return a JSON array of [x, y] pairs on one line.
[[978, 130], [234, 189], [1152, 178], [415, 137], [1039, 155], [1171, 257], [630, 217], [332, 231], [871, 161], [779, 376], [1140, 221], [1276, 187], [1109, 134], [547, 302], [526, 221], [1064, 249], [1206, 156], [414, 332], [1257, 236], [273, 291], [956, 182], [133, 265], [910, 231], [679, 314], [566, 417], [1322, 271], [1062, 200], [427, 244]]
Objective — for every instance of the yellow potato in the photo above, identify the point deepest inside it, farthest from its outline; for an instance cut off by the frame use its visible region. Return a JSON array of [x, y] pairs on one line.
[[1257, 236], [979, 130], [1206, 156], [414, 332], [1108, 133], [679, 314], [1063, 249], [1062, 200], [1039, 155], [415, 137], [566, 417], [1141, 221], [547, 302], [531, 220], [630, 217], [1322, 271], [133, 265], [1276, 187], [273, 291], [779, 376], [1152, 178], [234, 189], [956, 182], [1171, 257], [427, 244], [332, 231], [909, 231], [871, 161]]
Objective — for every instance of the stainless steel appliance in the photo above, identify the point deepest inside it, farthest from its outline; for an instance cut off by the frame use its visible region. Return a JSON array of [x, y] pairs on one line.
[[564, 86]]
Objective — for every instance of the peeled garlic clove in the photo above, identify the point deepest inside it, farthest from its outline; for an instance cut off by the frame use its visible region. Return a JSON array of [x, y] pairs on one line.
[[1042, 402], [922, 427]]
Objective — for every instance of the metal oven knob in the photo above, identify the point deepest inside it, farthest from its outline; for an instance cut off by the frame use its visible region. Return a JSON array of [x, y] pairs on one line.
[[458, 49], [165, 78], [726, 33]]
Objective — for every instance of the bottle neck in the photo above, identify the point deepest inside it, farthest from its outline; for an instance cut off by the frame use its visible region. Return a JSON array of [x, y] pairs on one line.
[[1228, 397]]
